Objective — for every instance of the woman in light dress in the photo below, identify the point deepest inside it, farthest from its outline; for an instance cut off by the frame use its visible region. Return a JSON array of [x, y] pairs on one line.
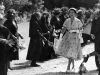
[[70, 46]]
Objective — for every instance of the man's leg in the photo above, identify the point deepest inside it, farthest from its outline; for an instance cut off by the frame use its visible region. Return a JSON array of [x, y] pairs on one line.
[[3, 68], [89, 55], [97, 49], [33, 63], [97, 62]]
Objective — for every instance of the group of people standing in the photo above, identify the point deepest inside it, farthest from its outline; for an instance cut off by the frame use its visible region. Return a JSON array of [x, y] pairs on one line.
[[69, 25], [9, 45], [65, 24], [42, 31], [39, 32]]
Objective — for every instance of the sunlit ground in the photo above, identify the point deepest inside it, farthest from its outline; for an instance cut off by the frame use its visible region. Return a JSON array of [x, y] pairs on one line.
[[52, 67]]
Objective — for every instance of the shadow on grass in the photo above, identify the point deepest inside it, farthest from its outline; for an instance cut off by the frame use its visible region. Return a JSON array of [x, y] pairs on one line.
[[70, 73], [58, 73], [23, 65]]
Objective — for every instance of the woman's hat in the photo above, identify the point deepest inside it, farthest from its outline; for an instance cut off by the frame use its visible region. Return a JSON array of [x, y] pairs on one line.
[[10, 11], [74, 9], [64, 9], [56, 11]]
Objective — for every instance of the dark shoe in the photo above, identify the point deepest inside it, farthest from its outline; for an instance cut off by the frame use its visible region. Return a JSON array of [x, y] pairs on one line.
[[86, 59], [99, 72], [97, 69], [82, 69], [10, 68], [34, 65], [53, 56]]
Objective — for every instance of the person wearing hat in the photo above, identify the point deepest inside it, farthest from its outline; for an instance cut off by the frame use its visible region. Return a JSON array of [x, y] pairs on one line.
[[55, 20], [11, 24], [47, 50], [87, 28], [5, 45], [64, 14], [3, 49], [70, 45], [35, 44], [95, 33]]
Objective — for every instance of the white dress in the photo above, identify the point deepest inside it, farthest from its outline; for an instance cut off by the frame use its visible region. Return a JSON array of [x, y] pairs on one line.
[[70, 46]]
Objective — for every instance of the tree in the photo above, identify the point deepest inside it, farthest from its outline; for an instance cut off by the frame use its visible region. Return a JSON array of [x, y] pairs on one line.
[[16, 4], [37, 4], [50, 4], [7, 4], [87, 3]]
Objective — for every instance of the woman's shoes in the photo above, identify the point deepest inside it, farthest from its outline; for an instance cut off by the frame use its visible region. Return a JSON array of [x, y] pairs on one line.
[[68, 71], [73, 70]]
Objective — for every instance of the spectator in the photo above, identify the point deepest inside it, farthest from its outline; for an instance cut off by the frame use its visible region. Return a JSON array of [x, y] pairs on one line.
[[35, 44], [5, 45], [70, 46], [11, 24]]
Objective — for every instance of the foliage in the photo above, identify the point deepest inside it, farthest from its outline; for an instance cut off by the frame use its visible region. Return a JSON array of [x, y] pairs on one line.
[[16, 4], [37, 4], [87, 3], [70, 3], [50, 4]]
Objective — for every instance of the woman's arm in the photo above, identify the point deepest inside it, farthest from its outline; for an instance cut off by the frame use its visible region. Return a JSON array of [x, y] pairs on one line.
[[63, 30]]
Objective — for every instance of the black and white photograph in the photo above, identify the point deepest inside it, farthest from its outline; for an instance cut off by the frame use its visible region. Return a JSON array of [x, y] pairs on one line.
[[49, 37]]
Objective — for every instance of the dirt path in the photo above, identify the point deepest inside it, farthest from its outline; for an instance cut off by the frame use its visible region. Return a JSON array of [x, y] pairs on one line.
[[52, 67]]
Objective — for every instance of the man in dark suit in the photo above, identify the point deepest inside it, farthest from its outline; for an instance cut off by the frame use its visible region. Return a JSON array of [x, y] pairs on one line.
[[5, 45], [34, 50], [95, 32]]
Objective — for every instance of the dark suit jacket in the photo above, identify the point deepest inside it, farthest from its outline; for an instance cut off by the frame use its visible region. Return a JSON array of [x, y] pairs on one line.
[[95, 29], [4, 34], [12, 26], [56, 22], [44, 24], [34, 26], [4, 49]]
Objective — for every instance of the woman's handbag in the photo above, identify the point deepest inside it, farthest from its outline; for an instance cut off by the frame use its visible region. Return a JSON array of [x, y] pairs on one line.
[[57, 43]]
